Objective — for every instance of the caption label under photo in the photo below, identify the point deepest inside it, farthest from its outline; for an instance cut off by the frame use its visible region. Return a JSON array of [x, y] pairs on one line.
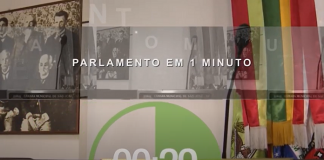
[[296, 96]]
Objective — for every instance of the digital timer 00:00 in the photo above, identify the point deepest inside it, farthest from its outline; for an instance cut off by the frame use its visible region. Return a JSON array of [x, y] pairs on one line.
[[147, 156]]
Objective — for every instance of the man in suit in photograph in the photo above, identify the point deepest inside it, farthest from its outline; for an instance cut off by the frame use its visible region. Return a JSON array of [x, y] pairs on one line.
[[107, 49], [100, 45], [5, 40], [45, 78], [6, 80], [27, 51], [67, 51], [123, 44], [115, 72]]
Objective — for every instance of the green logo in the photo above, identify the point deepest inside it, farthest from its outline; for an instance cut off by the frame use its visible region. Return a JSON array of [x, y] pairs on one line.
[[176, 128]]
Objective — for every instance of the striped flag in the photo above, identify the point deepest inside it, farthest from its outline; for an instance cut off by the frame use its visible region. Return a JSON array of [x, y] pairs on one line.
[[254, 118], [288, 59], [308, 75], [279, 112]]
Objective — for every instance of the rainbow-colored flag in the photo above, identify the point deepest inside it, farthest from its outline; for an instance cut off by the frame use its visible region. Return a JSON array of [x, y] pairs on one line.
[[286, 56]]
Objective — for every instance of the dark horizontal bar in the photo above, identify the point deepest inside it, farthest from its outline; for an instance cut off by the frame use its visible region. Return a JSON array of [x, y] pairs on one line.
[[296, 96], [176, 96], [43, 96], [40, 91], [159, 94], [109, 94]]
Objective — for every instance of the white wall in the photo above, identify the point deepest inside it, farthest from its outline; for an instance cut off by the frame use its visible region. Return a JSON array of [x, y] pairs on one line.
[[165, 13], [170, 44], [157, 14], [143, 13]]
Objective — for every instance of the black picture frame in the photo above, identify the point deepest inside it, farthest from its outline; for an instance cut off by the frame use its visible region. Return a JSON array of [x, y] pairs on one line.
[[113, 73], [73, 104]]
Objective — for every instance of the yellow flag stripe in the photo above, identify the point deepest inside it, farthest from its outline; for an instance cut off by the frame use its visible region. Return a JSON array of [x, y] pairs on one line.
[[287, 53], [256, 20]]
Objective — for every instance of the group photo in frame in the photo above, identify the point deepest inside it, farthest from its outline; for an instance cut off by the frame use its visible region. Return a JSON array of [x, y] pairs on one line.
[[37, 45], [111, 44]]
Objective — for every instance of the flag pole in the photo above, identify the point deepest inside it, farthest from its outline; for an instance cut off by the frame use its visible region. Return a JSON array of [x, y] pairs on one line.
[[242, 39]]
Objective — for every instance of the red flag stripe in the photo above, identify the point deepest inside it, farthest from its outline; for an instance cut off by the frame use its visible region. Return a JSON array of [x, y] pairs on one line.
[[298, 113], [249, 106], [307, 47], [312, 54]]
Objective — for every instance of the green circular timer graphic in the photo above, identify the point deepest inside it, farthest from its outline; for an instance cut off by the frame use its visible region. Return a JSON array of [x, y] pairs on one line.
[[175, 127]]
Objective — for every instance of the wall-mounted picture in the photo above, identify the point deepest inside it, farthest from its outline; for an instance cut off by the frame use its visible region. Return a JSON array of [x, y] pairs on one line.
[[39, 117], [208, 43], [113, 44], [38, 44]]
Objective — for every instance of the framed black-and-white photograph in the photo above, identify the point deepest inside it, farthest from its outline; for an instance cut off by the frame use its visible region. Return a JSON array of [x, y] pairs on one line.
[[38, 44], [112, 44], [208, 43], [59, 116]]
